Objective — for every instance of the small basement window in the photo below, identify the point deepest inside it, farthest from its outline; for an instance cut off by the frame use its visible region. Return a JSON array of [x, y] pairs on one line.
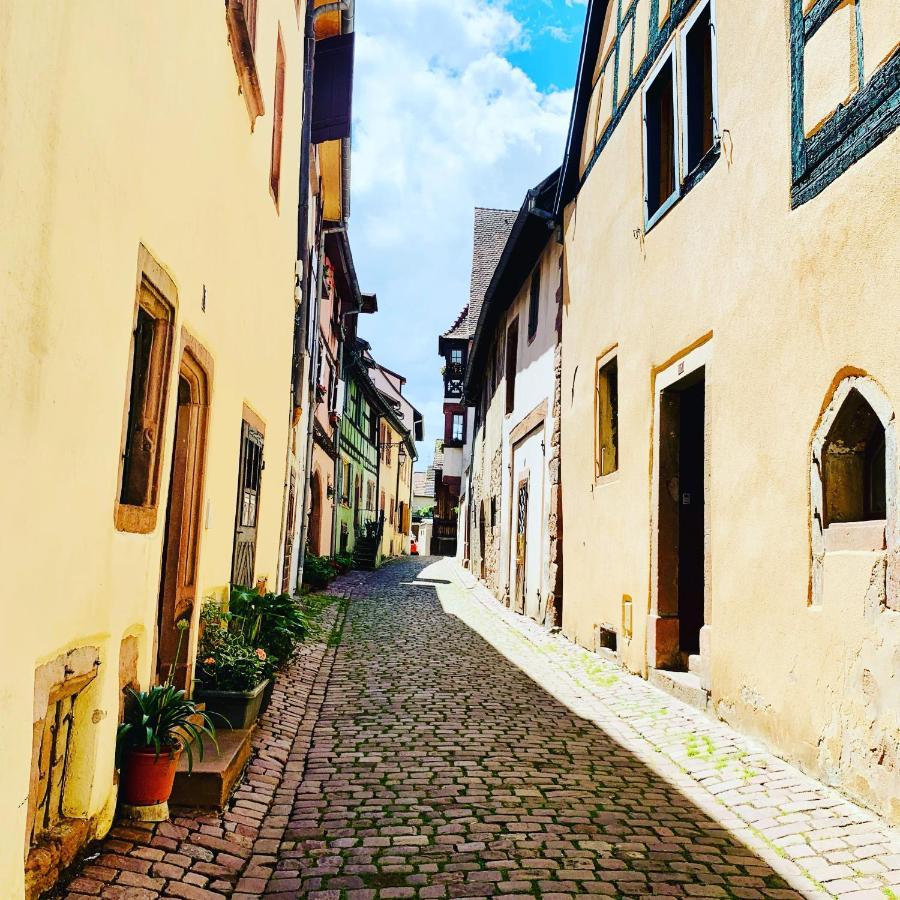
[[660, 140], [853, 464], [606, 638], [699, 106], [607, 460]]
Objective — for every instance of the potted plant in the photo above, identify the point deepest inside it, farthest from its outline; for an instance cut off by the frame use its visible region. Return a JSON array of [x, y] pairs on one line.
[[159, 724], [273, 622], [231, 675], [334, 417]]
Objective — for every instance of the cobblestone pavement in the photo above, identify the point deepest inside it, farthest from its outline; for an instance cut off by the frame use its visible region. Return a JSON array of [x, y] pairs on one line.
[[458, 754], [441, 746]]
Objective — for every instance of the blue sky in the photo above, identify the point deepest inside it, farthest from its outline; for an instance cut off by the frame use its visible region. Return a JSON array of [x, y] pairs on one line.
[[457, 104], [554, 38]]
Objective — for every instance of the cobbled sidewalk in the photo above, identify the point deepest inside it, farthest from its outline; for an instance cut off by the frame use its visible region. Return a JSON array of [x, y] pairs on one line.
[[208, 856], [823, 844]]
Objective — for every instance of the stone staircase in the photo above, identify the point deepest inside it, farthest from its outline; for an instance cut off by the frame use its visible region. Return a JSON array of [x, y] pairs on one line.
[[365, 553]]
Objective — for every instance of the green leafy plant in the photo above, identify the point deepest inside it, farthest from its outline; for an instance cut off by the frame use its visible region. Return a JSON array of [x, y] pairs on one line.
[[164, 719], [318, 571], [225, 662], [274, 622]]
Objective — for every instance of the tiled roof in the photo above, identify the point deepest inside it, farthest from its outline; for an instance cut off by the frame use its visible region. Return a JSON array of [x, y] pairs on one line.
[[460, 328], [438, 454], [492, 227]]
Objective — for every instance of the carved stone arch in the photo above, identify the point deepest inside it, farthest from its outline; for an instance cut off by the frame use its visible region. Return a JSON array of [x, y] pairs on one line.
[[862, 533]]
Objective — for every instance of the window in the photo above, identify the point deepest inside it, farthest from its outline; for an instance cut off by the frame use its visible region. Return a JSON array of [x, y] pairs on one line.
[[275, 166], [240, 16], [845, 84], [391, 508], [458, 428], [853, 465], [512, 349], [660, 140], [534, 302], [699, 102], [151, 354], [456, 356], [607, 405]]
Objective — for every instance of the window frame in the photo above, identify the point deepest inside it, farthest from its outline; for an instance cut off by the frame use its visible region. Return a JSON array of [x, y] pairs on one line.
[[602, 362], [462, 428], [161, 292], [665, 56], [534, 302], [683, 30]]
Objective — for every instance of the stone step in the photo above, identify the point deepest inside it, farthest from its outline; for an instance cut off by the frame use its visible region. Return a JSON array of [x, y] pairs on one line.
[[695, 665], [210, 784], [684, 686]]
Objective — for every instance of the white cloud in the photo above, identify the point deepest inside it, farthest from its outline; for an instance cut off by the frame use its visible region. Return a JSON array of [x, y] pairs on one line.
[[442, 123]]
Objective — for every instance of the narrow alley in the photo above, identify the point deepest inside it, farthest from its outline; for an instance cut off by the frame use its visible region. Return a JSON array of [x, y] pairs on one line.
[[449, 748]]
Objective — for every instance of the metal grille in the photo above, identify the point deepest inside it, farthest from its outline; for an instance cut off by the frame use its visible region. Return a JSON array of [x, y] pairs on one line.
[[53, 766]]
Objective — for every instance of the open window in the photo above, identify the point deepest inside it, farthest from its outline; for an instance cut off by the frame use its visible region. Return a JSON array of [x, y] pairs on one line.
[[607, 405], [661, 185], [275, 164], [699, 98], [853, 465], [151, 356], [853, 485]]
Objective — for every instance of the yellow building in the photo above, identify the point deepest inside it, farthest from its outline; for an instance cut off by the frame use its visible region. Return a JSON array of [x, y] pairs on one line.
[[149, 192], [400, 426], [730, 367]]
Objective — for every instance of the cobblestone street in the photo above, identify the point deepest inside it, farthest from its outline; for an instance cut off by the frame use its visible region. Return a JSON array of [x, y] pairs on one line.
[[452, 749]]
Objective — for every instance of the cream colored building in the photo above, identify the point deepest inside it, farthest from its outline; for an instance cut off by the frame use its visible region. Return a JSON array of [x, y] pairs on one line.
[[510, 508], [731, 373], [149, 192]]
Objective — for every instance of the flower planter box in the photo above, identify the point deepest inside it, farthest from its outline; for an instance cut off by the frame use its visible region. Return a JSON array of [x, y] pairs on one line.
[[240, 709]]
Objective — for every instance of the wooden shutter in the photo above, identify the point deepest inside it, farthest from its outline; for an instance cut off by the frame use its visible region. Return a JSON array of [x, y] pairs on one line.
[[332, 88]]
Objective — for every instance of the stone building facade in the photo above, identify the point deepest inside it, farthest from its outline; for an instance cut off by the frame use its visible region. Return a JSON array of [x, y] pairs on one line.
[[730, 376]]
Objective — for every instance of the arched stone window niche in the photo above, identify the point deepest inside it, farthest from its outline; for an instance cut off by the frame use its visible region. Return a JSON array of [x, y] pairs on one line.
[[853, 482]]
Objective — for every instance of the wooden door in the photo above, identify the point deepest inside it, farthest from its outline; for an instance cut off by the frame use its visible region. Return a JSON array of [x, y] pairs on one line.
[[288, 561], [181, 544], [521, 543], [243, 561]]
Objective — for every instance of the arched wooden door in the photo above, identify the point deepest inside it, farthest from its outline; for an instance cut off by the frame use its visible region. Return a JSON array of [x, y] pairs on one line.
[[181, 543]]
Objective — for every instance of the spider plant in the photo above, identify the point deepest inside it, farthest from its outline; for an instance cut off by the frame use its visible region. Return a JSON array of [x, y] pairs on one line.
[[164, 719]]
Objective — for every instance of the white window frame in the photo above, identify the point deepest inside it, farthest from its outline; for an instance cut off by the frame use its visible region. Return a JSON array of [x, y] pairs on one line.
[[667, 54], [683, 31]]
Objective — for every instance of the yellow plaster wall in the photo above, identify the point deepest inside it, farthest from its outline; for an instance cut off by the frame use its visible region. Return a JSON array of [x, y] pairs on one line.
[[122, 124], [792, 297], [393, 540]]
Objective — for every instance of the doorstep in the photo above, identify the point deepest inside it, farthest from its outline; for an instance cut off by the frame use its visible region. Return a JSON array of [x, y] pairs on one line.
[[210, 784], [685, 686]]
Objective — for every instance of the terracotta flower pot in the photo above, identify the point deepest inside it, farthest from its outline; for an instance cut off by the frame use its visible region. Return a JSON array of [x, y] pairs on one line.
[[147, 779]]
